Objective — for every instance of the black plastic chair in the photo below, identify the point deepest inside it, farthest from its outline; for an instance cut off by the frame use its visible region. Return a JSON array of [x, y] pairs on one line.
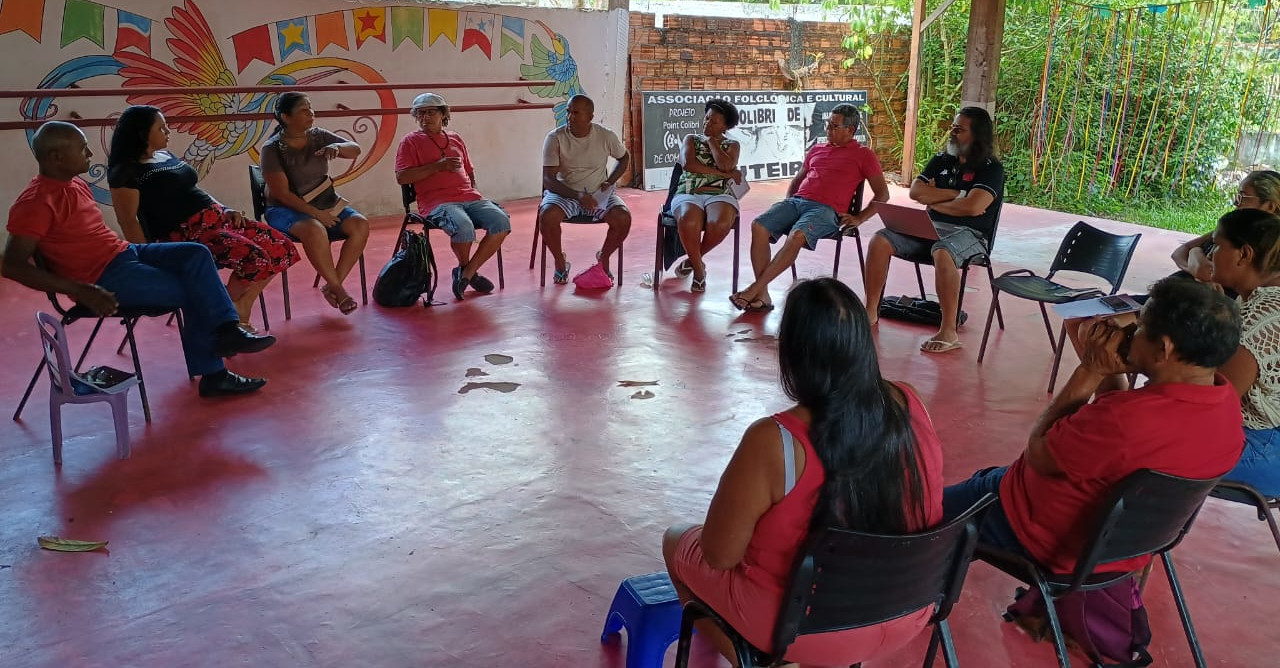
[[855, 207], [258, 191], [408, 196], [1087, 250], [1147, 513], [983, 260], [849, 579], [1238, 492], [669, 237], [129, 318]]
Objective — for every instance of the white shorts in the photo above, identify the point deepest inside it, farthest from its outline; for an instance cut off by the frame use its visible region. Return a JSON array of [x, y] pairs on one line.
[[702, 201]]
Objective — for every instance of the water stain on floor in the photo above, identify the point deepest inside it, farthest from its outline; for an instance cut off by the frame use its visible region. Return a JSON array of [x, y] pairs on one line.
[[503, 387], [498, 358]]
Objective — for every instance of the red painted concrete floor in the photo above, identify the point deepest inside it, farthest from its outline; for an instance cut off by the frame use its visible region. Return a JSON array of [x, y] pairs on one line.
[[361, 511]]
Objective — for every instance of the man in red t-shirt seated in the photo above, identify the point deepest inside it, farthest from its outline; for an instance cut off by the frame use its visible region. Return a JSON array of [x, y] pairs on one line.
[[56, 216], [816, 206], [436, 162], [1185, 421]]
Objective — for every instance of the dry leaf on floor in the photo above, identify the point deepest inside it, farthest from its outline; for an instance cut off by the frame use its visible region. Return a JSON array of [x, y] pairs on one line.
[[636, 383], [498, 358], [643, 394], [68, 545]]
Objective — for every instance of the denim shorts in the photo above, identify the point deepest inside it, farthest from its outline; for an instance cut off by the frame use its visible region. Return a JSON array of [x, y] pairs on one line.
[[460, 220], [797, 214], [282, 218], [964, 244], [1259, 464]]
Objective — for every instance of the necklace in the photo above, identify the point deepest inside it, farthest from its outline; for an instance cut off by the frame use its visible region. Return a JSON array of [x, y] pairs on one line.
[[442, 149], [287, 138]]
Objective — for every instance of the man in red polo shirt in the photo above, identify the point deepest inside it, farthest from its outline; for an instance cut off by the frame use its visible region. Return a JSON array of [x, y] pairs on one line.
[[1185, 421], [817, 204], [57, 216]]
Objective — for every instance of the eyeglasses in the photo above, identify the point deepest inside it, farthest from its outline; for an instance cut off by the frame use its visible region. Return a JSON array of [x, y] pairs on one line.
[[1240, 197], [836, 126]]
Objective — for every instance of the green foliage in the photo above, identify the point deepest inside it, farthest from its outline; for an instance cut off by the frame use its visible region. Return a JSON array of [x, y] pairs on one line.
[[1139, 113]]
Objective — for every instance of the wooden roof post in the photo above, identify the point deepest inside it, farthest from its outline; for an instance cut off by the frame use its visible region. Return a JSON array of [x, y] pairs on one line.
[[982, 58], [913, 95]]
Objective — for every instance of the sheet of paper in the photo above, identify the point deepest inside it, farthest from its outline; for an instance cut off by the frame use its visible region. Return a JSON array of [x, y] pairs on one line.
[[1087, 308]]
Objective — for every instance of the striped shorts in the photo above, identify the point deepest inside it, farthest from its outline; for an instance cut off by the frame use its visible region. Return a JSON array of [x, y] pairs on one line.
[[572, 208]]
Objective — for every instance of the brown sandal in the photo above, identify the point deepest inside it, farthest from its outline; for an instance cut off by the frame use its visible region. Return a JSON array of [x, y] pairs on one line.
[[344, 304]]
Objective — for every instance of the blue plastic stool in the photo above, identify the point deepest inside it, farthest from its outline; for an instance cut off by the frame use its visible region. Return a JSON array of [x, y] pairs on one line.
[[647, 606]]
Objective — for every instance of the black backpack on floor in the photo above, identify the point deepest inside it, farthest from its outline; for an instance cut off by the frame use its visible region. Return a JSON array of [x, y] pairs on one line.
[[409, 274], [914, 309]]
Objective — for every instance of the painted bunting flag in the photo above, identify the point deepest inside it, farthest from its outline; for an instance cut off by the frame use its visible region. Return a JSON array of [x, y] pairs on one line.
[[331, 28], [512, 39], [82, 19], [371, 23], [443, 23], [406, 23], [133, 31], [292, 35], [252, 44], [476, 33], [24, 15]]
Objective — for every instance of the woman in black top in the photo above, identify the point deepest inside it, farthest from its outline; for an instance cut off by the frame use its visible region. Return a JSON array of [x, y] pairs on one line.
[[156, 199]]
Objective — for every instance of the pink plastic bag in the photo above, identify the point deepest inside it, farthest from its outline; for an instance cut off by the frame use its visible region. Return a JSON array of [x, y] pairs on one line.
[[594, 278]]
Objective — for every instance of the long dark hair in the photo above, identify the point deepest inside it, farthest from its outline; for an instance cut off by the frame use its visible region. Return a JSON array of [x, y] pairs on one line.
[[129, 140], [1258, 229], [860, 430], [285, 104], [983, 132]]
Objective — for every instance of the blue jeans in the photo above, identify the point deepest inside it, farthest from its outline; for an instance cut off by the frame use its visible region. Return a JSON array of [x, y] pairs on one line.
[[175, 275], [995, 531], [1259, 464]]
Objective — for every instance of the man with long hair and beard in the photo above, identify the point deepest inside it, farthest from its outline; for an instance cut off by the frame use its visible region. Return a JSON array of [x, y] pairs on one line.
[[962, 187]]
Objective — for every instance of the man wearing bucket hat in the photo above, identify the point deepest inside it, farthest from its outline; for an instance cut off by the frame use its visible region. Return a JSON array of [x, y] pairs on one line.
[[436, 162]]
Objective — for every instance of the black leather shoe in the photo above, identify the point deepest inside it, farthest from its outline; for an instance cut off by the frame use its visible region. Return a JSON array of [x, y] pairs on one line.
[[481, 284], [226, 383], [233, 340]]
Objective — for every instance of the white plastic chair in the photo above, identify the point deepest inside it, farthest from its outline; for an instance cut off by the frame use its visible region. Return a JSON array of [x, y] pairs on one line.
[[68, 387]]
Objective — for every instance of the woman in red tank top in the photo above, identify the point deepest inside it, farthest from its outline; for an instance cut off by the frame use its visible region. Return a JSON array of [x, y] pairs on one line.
[[851, 430]]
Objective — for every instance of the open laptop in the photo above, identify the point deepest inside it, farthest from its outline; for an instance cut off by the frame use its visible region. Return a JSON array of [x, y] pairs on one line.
[[909, 220]]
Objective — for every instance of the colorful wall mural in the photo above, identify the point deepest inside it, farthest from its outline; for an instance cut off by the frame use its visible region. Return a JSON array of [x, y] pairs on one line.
[[92, 44]]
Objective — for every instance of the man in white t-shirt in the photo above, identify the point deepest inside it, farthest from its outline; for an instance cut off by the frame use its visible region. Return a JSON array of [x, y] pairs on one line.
[[576, 182]]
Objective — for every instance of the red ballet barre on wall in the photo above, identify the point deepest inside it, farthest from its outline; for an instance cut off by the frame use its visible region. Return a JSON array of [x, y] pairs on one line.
[[261, 116], [219, 90]]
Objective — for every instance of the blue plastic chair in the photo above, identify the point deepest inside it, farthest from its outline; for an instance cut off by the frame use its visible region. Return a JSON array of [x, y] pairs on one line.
[[647, 606], [68, 387]]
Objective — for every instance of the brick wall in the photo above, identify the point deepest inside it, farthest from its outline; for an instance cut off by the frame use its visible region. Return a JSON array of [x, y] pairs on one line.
[[711, 53]]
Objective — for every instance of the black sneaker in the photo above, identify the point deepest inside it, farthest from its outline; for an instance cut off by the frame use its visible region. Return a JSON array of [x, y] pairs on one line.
[[226, 383], [459, 283], [481, 284], [231, 340]]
